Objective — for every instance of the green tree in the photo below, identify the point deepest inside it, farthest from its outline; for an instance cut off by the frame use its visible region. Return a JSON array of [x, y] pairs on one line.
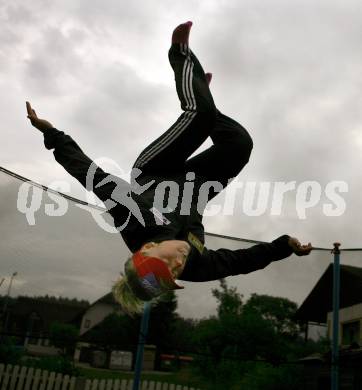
[[181, 334], [10, 353], [217, 338], [115, 332], [229, 300], [162, 318], [64, 337], [279, 312], [237, 344]]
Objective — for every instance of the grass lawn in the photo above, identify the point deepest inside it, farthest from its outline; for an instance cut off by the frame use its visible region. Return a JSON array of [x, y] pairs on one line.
[[183, 377]]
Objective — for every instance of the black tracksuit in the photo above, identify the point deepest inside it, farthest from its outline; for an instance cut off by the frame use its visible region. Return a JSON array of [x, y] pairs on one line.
[[168, 159]]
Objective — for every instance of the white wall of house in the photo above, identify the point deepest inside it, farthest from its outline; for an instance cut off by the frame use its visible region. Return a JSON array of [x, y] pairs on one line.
[[94, 315], [40, 347], [347, 315], [316, 331]]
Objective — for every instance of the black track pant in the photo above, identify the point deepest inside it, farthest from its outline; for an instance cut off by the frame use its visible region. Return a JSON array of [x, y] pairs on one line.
[[170, 152]]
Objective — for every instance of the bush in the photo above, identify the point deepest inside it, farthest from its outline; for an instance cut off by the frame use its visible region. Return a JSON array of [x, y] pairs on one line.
[[64, 336], [251, 375], [58, 364], [10, 353], [224, 374], [264, 376]]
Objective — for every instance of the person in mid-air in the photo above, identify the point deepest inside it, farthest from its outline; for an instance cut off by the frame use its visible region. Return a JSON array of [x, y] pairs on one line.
[[167, 244]]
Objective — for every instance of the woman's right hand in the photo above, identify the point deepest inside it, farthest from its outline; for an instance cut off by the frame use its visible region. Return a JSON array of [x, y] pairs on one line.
[[41, 124]]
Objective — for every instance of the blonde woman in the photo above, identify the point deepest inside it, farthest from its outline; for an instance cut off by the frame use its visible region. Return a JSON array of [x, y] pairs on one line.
[[167, 243]]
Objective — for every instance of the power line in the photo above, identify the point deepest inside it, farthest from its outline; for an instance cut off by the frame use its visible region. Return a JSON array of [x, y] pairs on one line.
[[45, 188], [79, 201]]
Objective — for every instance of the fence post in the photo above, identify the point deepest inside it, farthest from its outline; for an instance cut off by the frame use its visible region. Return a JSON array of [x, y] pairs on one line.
[[80, 382]]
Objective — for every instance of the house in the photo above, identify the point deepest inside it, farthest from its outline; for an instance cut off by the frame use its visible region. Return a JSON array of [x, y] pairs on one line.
[[88, 351], [89, 319], [318, 309], [318, 306], [30, 319], [97, 312]]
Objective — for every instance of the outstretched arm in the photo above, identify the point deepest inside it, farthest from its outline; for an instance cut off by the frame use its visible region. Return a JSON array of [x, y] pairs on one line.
[[71, 157], [68, 153], [217, 264]]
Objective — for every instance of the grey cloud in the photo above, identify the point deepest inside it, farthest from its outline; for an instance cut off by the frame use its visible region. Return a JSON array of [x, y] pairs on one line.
[[52, 60], [108, 110], [288, 71]]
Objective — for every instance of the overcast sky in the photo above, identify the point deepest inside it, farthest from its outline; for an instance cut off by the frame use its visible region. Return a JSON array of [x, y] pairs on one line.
[[290, 72]]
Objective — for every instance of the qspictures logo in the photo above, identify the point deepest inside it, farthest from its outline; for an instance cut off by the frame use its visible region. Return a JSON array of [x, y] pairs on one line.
[[247, 198]]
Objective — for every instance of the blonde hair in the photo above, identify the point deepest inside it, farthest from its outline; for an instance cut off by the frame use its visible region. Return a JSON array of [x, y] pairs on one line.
[[124, 294], [128, 292]]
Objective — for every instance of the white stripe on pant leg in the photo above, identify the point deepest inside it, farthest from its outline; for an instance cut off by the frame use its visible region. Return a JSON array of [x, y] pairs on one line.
[[142, 157], [185, 72], [186, 81], [169, 137], [187, 87], [192, 96], [167, 140], [170, 133], [187, 78], [151, 150], [146, 153]]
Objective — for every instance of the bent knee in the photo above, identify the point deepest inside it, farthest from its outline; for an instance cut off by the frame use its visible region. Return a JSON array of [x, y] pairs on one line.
[[240, 151], [243, 143]]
